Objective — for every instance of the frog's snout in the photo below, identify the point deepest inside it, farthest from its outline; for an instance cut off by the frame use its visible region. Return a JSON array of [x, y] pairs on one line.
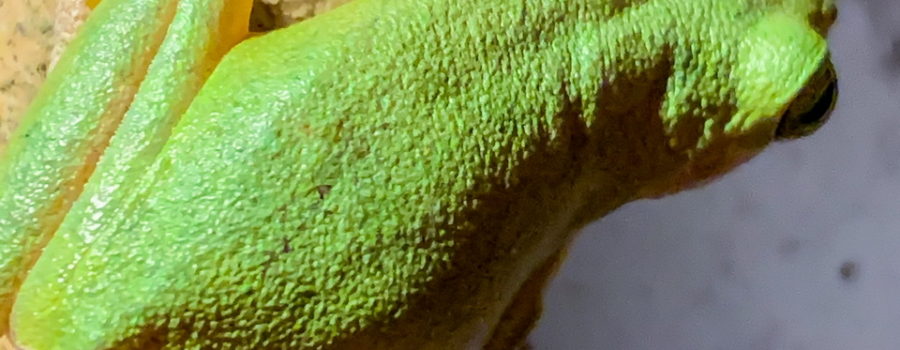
[[813, 105]]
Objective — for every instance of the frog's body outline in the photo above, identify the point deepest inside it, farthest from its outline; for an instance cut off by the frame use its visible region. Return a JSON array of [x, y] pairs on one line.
[[487, 117]]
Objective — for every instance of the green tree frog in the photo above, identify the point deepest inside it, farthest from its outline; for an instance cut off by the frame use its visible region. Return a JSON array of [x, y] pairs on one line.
[[392, 174]]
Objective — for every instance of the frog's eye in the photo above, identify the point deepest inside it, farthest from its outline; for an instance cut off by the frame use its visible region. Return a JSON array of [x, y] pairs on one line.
[[813, 105]]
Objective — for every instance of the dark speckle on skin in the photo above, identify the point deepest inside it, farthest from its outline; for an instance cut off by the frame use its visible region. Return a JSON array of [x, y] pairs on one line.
[[286, 245], [849, 271], [323, 190]]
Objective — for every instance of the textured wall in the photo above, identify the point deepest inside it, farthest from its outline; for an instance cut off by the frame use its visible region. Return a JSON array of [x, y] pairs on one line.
[[799, 249]]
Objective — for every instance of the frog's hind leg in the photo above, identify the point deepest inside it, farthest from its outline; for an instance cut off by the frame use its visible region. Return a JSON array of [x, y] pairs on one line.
[[119, 88]]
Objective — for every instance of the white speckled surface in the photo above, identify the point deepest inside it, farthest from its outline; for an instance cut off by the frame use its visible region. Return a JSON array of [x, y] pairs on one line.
[[754, 261]]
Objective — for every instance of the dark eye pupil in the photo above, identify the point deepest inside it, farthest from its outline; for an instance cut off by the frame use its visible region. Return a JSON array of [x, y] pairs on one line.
[[806, 115], [822, 107]]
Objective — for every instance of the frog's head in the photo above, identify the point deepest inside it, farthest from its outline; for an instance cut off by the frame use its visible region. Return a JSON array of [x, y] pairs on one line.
[[780, 84]]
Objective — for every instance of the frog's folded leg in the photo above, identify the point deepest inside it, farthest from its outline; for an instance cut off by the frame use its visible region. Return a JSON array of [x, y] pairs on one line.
[[153, 53]]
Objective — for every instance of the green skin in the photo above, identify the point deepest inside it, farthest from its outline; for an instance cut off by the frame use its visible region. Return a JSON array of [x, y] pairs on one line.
[[392, 174]]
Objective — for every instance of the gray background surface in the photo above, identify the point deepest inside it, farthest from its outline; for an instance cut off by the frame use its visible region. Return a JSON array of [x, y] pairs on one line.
[[755, 261]]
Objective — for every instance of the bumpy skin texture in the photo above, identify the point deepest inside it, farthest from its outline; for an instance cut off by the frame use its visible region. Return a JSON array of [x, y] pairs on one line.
[[389, 174]]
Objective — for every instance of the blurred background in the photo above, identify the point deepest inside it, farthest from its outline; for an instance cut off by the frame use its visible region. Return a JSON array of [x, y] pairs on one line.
[[798, 249]]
